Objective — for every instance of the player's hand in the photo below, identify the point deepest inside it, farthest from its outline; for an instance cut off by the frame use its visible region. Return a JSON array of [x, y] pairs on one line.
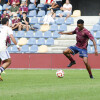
[[19, 49], [96, 53], [61, 33]]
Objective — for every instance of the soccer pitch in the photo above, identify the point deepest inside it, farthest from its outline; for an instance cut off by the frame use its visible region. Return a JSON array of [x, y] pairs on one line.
[[44, 85]]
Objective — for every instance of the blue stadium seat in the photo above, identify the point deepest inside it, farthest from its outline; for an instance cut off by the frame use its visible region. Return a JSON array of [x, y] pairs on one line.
[[31, 41], [33, 49], [89, 49], [25, 49], [0, 10], [58, 12], [56, 35], [47, 34], [92, 51], [90, 43], [40, 5], [14, 49], [37, 26], [60, 21], [69, 21], [97, 34], [96, 28], [6, 6], [99, 22], [54, 27], [63, 27], [32, 13], [50, 41], [34, 20], [9, 49], [41, 41], [20, 34], [29, 34], [41, 21], [41, 13], [14, 33], [31, 7], [98, 42], [98, 48], [38, 34], [92, 33], [48, 12]]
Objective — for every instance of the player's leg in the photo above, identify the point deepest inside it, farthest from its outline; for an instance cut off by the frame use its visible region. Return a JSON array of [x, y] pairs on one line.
[[27, 27], [68, 15], [83, 54], [16, 26], [67, 53], [0, 74], [5, 57], [85, 59], [6, 63], [0, 61], [20, 27]]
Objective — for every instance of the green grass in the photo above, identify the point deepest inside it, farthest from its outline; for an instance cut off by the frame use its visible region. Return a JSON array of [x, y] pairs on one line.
[[44, 85]]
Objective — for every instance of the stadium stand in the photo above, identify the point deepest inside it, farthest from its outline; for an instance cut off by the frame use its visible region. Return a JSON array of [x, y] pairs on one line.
[[55, 42]]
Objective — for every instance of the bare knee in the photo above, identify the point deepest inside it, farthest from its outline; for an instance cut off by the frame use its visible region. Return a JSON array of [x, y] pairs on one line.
[[8, 61], [66, 52], [85, 61]]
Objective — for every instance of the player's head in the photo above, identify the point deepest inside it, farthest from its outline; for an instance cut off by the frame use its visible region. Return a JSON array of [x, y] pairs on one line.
[[24, 14], [5, 21], [67, 1], [80, 24]]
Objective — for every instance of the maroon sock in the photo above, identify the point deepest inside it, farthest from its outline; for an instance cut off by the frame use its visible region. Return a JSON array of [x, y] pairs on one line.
[[71, 59], [90, 73]]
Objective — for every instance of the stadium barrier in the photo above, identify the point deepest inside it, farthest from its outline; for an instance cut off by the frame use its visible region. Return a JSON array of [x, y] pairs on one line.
[[51, 61]]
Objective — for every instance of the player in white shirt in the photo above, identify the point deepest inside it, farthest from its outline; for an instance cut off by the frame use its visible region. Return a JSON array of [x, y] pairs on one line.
[[67, 9], [4, 54]]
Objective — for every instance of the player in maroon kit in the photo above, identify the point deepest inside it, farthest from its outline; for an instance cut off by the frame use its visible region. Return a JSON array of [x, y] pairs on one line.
[[82, 37]]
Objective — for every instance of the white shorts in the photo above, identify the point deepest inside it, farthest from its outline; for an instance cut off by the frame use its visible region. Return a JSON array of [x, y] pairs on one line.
[[4, 55]]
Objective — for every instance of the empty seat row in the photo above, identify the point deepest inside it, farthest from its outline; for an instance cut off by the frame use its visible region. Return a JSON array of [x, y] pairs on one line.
[[92, 50], [58, 21], [96, 28], [41, 41], [38, 34], [91, 43], [24, 49]]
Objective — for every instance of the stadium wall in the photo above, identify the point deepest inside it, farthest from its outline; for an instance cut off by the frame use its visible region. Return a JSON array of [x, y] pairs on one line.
[[51, 61], [87, 7]]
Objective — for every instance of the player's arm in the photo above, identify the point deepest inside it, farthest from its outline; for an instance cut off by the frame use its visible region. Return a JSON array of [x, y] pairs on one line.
[[66, 33], [10, 33], [95, 46], [14, 41], [90, 36]]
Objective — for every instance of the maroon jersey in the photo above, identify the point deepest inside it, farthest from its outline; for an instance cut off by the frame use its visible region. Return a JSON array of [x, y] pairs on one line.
[[11, 1], [5, 16], [23, 9], [82, 37], [15, 21]]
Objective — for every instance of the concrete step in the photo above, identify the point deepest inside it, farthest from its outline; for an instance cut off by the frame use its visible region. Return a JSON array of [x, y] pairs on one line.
[[67, 37], [64, 42]]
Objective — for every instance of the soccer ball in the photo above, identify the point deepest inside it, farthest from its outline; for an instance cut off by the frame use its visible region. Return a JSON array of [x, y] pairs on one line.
[[60, 73]]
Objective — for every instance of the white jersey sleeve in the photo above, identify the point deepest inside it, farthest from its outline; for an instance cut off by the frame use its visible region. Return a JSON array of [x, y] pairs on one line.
[[10, 31]]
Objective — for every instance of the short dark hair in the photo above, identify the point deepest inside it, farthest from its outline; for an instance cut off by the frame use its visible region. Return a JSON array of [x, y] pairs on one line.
[[4, 21], [80, 21], [24, 12]]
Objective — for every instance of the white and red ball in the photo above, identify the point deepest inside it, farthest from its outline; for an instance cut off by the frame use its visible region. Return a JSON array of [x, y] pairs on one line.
[[60, 73]]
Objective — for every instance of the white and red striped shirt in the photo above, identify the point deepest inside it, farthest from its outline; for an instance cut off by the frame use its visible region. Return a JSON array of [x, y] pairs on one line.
[[49, 1]]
